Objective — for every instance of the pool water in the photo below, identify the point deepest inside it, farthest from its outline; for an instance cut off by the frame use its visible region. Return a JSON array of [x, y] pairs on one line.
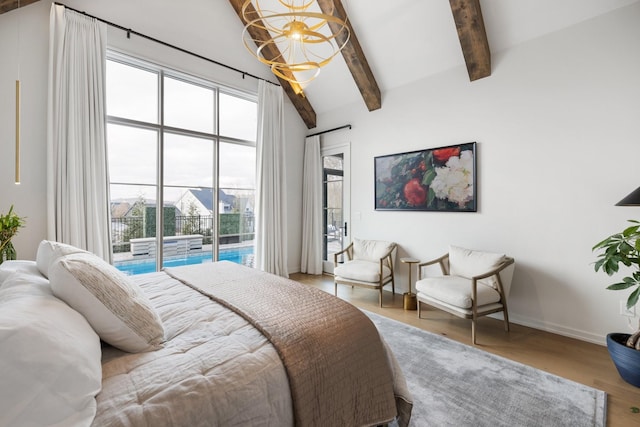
[[237, 255]]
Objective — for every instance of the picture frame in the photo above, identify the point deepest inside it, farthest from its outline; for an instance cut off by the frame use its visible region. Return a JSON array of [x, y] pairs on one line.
[[441, 179]]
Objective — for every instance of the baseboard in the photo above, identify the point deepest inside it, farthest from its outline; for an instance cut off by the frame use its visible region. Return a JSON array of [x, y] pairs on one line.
[[558, 329], [543, 326]]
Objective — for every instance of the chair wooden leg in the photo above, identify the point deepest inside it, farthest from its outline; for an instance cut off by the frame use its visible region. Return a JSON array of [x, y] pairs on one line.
[[335, 289], [380, 297], [419, 309], [505, 314]]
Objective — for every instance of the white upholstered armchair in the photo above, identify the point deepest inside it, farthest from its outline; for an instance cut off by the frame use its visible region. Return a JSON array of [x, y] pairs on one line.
[[472, 284], [369, 264]]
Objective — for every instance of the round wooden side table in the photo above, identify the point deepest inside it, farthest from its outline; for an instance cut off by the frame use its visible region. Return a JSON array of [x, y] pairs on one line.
[[410, 302]]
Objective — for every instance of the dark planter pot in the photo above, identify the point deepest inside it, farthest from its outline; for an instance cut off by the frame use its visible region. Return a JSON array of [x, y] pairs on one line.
[[627, 360]]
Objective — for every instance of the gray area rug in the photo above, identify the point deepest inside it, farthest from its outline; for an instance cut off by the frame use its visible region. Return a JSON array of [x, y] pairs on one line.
[[457, 385]]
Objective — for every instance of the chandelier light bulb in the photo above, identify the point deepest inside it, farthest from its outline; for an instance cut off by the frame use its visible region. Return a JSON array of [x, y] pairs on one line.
[[295, 30]]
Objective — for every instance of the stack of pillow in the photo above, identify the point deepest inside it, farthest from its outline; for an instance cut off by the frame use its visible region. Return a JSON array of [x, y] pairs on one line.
[[53, 314]]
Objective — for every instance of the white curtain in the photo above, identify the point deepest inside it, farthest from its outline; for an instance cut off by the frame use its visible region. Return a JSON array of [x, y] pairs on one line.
[[312, 207], [271, 203], [77, 181]]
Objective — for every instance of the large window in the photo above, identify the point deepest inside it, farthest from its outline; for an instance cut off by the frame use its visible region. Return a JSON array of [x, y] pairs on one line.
[[186, 145]]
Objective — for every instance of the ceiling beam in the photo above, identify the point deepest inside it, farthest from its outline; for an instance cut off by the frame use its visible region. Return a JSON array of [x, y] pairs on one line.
[[7, 5], [353, 55], [271, 51], [473, 37]]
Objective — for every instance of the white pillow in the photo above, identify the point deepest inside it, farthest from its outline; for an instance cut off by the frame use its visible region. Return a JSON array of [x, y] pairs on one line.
[[370, 250], [49, 251], [116, 308], [49, 357], [7, 268], [468, 263]]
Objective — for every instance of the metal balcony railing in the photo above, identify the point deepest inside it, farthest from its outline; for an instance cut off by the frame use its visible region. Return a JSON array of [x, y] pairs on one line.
[[233, 228]]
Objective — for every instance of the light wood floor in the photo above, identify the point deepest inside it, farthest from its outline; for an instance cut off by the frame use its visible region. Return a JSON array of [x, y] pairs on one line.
[[575, 360]]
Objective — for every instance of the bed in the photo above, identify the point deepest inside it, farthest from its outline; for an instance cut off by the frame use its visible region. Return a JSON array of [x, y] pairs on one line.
[[213, 344]]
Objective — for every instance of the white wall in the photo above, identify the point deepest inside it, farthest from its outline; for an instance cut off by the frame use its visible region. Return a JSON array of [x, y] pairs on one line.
[[28, 59], [23, 55], [558, 132]]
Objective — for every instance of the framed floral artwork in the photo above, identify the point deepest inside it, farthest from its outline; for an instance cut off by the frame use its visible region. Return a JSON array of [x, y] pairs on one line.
[[436, 179]]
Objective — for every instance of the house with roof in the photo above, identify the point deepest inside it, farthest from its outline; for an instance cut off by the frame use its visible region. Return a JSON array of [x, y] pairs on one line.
[[199, 201]]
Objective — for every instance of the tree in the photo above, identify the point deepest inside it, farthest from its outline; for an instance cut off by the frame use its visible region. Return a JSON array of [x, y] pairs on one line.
[[191, 222], [135, 223]]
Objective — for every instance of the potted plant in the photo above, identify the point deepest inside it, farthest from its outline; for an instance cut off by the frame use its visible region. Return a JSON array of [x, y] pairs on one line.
[[623, 249], [9, 225]]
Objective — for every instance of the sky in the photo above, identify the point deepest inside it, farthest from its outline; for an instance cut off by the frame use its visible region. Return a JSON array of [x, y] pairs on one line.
[[132, 93]]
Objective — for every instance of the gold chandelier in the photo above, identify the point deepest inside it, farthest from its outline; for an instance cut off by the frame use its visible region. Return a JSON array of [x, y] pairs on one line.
[[291, 39]]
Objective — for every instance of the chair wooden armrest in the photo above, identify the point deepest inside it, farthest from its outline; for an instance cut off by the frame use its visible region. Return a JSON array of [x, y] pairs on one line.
[[440, 260], [507, 262], [348, 250], [474, 280], [388, 256]]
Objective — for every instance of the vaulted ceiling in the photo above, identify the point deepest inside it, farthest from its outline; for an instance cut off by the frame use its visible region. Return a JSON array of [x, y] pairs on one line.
[[393, 44], [7, 5], [469, 25], [399, 42]]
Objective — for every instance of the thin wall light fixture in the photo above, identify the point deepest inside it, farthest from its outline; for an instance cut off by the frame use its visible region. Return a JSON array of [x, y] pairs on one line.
[[18, 96], [17, 131]]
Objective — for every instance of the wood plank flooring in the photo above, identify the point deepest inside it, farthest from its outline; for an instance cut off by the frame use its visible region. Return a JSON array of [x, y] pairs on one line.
[[573, 359]]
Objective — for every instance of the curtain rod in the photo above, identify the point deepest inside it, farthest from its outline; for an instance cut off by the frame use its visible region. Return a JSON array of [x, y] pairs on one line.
[[330, 130], [129, 31]]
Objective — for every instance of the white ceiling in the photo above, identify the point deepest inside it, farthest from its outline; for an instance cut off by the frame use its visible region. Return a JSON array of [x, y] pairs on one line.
[[407, 40], [404, 40]]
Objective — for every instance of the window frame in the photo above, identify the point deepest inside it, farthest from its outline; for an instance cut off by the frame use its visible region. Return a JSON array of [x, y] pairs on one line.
[[161, 130]]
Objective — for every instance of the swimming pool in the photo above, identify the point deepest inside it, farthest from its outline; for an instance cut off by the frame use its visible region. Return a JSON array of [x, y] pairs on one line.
[[237, 255]]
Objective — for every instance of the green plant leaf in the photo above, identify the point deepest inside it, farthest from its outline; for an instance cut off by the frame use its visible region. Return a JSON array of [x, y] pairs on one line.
[[633, 298], [598, 264], [611, 266], [630, 231], [619, 286], [600, 244], [622, 249]]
